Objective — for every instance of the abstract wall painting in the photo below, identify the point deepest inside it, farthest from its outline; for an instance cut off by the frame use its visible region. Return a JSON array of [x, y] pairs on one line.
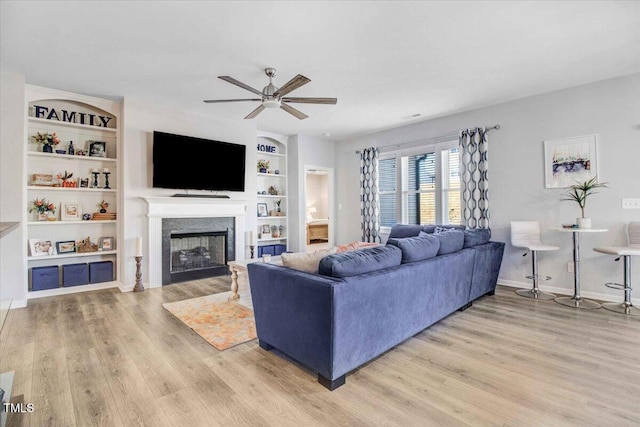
[[569, 160]]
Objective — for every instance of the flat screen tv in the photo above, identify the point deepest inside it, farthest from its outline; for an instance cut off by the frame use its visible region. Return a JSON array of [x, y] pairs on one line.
[[188, 163]]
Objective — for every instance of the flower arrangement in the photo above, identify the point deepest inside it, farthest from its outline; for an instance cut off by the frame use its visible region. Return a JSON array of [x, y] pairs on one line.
[[41, 206], [46, 138], [277, 203], [263, 165]]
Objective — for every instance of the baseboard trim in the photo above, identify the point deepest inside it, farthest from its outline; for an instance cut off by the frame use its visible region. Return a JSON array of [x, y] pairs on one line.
[[564, 291]]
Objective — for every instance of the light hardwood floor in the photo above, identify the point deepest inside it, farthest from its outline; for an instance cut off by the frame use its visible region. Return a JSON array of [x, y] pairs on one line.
[[113, 359]]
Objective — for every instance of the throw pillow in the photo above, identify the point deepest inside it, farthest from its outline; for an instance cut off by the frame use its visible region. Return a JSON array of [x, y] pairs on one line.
[[358, 262], [439, 230], [450, 241], [354, 246], [417, 248], [304, 261]]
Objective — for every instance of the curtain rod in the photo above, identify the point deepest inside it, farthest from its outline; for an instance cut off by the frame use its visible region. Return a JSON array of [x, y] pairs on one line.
[[435, 139]]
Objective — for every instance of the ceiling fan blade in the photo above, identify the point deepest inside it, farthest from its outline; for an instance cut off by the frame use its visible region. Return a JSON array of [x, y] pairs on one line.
[[242, 85], [255, 112], [311, 100], [292, 85], [297, 113], [213, 101]]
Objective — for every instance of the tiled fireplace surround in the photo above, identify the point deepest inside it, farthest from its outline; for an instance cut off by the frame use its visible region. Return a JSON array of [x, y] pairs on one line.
[[193, 214]]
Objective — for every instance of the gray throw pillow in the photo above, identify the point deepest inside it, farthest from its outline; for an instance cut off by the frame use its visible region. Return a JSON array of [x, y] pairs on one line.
[[450, 241]]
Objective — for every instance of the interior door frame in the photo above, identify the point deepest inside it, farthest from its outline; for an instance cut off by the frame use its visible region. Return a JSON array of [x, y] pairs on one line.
[[330, 203]]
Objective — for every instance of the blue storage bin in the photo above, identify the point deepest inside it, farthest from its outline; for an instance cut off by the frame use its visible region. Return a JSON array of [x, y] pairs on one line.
[[266, 250], [45, 278], [278, 249], [101, 271], [75, 274]]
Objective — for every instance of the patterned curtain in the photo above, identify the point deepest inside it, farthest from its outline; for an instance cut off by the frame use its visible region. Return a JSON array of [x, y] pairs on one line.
[[475, 183], [369, 196]]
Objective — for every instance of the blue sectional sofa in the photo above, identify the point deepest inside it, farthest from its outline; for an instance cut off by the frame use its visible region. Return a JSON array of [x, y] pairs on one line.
[[364, 302]]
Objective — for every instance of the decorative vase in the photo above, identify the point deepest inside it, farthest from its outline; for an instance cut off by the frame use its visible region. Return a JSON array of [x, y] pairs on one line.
[[51, 216], [103, 211], [583, 222], [47, 148], [42, 216]]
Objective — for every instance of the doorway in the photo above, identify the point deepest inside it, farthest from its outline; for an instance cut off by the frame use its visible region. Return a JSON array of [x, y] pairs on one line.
[[318, 208]]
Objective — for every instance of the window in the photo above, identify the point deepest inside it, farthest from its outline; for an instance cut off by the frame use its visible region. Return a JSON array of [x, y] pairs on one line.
[[429, 190]]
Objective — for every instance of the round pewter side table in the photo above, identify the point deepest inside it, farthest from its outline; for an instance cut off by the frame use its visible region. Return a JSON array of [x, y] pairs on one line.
[[576, 301]]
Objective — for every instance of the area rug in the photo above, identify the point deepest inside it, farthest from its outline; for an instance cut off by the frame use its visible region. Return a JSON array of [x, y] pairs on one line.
[[222, 324]]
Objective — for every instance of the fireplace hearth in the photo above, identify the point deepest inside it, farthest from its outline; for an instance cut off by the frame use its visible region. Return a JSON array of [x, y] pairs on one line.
[[196, 248]]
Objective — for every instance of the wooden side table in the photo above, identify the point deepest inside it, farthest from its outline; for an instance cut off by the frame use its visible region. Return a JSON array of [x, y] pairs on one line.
[[238, 268]]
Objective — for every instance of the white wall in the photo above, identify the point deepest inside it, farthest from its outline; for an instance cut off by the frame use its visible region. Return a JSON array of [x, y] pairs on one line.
[[304, 151], [610, 109], [12, 205], [140, 119]]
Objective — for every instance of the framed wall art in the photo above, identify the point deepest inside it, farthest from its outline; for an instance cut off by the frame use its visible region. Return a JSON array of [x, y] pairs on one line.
[[97, 149], [569, 160], [41, 247], [106, 244], [70, 211], [66, 247], [262, 210]]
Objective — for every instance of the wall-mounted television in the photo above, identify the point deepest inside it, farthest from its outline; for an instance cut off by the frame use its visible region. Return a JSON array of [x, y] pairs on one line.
[[188, 163]]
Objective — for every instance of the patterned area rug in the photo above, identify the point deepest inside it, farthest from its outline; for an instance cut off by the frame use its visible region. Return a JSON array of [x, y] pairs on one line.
[[222, 324]]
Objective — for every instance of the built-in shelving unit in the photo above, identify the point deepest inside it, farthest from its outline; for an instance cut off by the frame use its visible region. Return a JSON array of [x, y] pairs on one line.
[[272, 186], [93, 126]]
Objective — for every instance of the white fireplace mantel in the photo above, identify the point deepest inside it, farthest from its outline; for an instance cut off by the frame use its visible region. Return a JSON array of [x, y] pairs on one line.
[[188, 207]]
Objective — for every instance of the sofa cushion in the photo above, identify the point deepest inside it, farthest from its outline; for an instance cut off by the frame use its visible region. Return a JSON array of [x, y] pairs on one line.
[[450, 241], [354, 246], [362, 261], [431, 228], [400, 231], [476, 236], [305, 261], [417, 248]]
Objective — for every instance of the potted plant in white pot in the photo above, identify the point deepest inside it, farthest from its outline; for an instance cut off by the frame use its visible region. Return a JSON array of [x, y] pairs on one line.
[[578, 193]]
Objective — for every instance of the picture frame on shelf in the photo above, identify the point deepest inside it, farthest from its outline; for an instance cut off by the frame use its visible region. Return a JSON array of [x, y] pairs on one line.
[[66, 247], [569, 160], [97, 149], [70, 211], [266, 229], [41, 247], [106, 244], [263, 211], [84, 182]]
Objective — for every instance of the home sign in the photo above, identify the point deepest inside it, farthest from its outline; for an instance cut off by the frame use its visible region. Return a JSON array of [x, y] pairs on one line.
[[266, 148]]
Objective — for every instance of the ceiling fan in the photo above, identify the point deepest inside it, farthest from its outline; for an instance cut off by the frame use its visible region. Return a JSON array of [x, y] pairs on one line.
[[273, 97]]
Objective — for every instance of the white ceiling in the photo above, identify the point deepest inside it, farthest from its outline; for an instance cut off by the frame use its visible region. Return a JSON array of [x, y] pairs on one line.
[[384, 61]]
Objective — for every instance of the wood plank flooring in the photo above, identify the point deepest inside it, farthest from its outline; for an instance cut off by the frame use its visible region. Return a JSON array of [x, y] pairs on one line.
[[107, 358]]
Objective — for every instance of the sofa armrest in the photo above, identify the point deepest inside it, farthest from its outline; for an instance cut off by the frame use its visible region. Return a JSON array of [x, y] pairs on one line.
[[293, 313]]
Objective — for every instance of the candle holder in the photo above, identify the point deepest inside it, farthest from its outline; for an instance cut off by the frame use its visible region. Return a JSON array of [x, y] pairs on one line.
[[106, 180], [251, 248], [94, 184], [139, 287]]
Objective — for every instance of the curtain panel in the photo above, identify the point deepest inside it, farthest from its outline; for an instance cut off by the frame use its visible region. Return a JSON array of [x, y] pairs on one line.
[[369, 195], [474, 178]]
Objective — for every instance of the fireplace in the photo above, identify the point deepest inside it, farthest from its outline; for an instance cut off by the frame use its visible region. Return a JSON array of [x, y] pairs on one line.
[[196, 248], [197, 255]]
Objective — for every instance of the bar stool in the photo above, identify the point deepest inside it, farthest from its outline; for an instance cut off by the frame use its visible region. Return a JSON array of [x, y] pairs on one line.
[[526, 234], [624, 252]]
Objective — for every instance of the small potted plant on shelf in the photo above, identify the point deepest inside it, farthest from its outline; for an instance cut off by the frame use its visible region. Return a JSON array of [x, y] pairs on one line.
[[64, 178], [578, 193], [263, 166], [277, 203], [103, 206], [47, 139], [43, 208]]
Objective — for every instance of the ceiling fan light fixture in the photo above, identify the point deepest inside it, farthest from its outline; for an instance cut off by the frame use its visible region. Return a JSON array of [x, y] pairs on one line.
[[271, 103]]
